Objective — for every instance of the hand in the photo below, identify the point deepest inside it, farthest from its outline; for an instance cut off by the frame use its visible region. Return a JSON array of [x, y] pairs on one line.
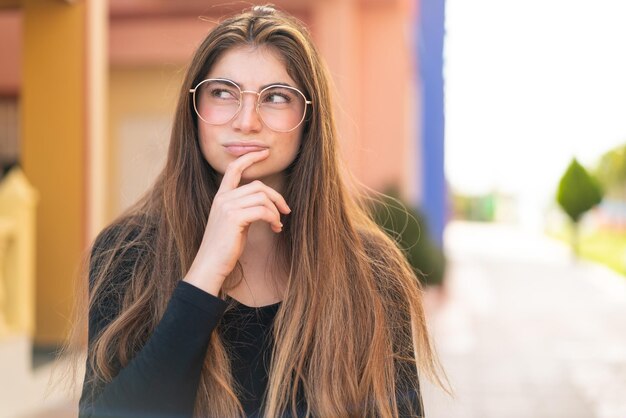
[[234, 209]]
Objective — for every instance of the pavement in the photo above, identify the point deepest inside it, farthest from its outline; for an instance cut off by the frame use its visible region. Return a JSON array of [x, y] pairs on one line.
[[524, 330]]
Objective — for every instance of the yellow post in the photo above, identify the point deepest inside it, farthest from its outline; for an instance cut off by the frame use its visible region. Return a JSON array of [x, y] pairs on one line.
[[53, 151], [6, 235], [18, 201]]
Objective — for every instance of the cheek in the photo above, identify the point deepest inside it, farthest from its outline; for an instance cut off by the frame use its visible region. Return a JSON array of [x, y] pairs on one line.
[[294, 148], [210, 150], [294, 144], [289, 152]]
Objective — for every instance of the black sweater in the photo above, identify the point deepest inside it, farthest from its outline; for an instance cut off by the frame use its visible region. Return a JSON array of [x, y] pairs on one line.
[[162, 378]]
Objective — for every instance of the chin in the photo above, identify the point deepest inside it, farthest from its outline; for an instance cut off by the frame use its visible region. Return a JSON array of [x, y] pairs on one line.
[[251, 174], [269, 178]]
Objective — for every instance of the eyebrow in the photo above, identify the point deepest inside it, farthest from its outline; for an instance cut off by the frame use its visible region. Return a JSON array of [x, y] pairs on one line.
[[278, 83]]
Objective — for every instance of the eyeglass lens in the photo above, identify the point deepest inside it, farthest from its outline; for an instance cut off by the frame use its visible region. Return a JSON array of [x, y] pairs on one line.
[[218, 101]]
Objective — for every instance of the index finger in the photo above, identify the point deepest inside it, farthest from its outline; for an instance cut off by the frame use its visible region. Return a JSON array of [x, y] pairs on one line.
[[234, 170]]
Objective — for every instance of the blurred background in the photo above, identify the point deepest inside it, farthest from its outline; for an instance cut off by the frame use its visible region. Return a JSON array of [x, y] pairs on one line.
[[498, 124]]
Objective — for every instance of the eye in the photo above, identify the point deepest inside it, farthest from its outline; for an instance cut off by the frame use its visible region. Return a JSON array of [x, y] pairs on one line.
[[277, 96], [221, 93]]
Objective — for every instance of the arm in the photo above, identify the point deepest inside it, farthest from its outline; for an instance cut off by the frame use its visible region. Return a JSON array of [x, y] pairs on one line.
[[408, 393], [162, 379], [410, 403]]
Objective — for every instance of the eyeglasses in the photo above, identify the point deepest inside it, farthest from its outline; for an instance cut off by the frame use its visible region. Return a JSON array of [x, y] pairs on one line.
[[281, 108]]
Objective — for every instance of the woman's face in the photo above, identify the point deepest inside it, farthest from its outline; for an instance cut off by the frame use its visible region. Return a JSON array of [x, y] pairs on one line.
[[251, 69]]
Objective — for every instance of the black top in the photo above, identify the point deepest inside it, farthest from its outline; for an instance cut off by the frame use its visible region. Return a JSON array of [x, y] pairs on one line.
[[163, 377]]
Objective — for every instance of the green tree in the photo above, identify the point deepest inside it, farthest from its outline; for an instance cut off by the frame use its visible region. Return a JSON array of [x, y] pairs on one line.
[[578, 192]]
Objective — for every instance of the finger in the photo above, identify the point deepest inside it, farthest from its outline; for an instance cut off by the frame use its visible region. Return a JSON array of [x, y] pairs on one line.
[[258, 213], [232, 175], [258, 186], [258, 199]]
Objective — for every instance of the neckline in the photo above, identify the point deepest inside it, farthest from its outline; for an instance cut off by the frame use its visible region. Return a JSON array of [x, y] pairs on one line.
[[241, 305]]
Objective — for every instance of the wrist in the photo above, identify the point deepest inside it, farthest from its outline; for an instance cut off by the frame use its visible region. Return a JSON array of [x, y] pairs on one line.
[[207, 282]]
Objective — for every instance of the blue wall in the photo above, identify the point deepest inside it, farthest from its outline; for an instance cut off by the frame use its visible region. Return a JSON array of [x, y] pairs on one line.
[[430, 36]]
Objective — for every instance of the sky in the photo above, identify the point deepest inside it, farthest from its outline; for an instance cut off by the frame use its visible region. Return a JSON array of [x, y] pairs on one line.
[[530, 84]]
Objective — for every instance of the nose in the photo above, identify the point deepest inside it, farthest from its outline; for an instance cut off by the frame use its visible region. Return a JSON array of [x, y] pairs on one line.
[[247, 119]]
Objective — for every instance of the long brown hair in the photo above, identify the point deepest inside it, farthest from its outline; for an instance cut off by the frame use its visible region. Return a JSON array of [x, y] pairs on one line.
[[351, 326]]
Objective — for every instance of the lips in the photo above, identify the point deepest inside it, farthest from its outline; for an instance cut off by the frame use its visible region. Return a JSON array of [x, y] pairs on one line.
[[238, 149]]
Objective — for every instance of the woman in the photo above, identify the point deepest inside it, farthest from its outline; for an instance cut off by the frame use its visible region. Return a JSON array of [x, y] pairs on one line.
[[247, 281]]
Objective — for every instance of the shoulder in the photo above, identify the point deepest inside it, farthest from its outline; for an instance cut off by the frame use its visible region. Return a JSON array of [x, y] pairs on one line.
[[125, 230], [119, 247]]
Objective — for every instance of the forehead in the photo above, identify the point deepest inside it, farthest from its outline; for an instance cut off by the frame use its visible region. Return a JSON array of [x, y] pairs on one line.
[[251, 67]]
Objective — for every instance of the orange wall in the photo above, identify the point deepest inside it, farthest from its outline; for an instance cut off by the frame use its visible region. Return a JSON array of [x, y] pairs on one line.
[[386, 81], [141, 105], [10, 51], [368, 51], [154, 41]]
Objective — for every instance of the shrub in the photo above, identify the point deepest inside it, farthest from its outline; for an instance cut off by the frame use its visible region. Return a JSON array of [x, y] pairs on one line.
[[578, 192]]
